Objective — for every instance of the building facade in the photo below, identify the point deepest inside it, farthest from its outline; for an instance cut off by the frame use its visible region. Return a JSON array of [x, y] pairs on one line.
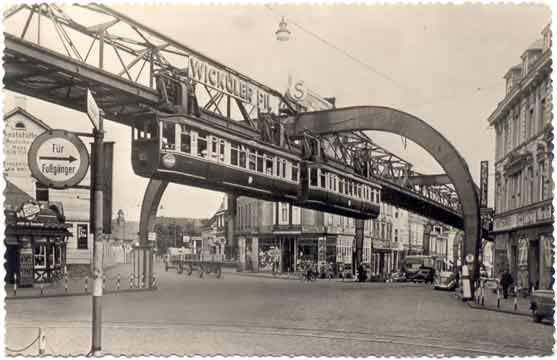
[[279, 237], [523, 174]]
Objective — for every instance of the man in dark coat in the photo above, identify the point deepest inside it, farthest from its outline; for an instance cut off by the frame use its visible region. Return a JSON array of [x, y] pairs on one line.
[[506, 282]]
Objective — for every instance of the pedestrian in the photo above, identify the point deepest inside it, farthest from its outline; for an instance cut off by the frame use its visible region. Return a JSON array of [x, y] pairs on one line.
[[361, 273], [506, 281]]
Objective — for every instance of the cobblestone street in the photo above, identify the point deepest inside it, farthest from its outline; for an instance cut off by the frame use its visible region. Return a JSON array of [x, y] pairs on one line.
[[248, 315]]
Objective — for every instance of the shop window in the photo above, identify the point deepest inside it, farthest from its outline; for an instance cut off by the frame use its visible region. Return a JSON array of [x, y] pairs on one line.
[[295, 172], [41, 192], [252, 160], [40, 256]]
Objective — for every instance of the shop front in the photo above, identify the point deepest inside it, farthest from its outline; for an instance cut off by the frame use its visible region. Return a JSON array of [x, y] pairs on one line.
[[35, 239]]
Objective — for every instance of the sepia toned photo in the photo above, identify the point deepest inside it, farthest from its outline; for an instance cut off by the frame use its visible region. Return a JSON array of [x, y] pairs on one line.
[[278, 180]]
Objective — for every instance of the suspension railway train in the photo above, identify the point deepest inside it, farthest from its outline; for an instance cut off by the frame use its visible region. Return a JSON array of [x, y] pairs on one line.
[[186, 151]]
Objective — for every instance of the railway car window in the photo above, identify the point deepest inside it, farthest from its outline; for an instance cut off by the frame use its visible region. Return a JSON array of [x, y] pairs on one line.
[[378, 195], [202, 144], [222, 150], [168, 136], [214, 148], [234, 153], [313, 177], [243, 156], [323, 179], [251, 158], [269, 164], [341, 186], [295, 172], [284, 168], [259, 161], [185, 139], [359, 189], [335, 179]]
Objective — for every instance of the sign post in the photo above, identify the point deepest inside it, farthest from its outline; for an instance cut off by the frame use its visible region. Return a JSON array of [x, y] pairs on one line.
[[95, 116]]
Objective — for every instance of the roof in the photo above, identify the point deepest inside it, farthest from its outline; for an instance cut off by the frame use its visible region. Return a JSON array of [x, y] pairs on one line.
[[19, 110], [14, 196], [536, 45], [514, 69]]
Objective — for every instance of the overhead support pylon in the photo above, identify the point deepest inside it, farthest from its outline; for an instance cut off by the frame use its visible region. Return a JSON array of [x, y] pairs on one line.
[[378, 118], [149, 207]]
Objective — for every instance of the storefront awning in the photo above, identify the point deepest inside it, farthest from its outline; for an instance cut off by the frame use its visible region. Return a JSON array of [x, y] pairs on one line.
[[13, 231]]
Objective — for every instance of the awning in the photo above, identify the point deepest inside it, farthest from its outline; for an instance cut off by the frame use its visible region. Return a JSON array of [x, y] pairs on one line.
[[25, 231]]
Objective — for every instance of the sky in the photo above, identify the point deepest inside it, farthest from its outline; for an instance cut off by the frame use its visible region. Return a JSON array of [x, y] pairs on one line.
[[442, 63]]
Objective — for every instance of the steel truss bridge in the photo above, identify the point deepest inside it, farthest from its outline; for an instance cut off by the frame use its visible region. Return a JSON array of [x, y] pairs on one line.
[[56, 53]]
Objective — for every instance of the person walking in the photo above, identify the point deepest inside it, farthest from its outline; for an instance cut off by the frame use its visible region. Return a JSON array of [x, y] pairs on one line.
[[506, 281]]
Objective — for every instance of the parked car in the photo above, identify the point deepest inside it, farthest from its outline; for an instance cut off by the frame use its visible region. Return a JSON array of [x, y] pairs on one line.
[[445, 280], [424, 275], [398, 277], [542, 304]]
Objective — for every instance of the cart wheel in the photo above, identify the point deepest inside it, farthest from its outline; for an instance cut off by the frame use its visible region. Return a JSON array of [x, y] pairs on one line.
[[180, 269], [189, 271], [218, 272]]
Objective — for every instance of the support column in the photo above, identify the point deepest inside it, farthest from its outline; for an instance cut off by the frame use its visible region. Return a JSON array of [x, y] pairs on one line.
[[231, 241], [359, 242], [149, 206]]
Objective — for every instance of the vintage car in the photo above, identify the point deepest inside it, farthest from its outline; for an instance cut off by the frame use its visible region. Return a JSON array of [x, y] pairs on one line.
[[425, 275], [542, 304], [445, 280]]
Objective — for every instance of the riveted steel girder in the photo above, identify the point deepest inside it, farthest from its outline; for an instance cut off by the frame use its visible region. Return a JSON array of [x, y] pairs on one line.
[[354, 119]]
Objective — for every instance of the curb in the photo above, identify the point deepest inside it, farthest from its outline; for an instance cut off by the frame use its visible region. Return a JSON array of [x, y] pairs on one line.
[[479, 307], [109, 292]]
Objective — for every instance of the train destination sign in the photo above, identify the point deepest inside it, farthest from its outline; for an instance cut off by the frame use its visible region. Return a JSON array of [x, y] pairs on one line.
[[58, 159], [227, 83]]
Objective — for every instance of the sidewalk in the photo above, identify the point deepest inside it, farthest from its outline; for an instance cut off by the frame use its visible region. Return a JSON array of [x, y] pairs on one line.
[[505, 305], [78, 285]]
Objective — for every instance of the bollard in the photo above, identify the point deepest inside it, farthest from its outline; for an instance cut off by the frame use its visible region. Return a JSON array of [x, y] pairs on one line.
[[65, 283], [86, 283], [142, 281], [498, 298], [515, 304], [483, 294], [131, 281], [104, 281], [118, 282], [42, 291], [15, 284], [42, 342]]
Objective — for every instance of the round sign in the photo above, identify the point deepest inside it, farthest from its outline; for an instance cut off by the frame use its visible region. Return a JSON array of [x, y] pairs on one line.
[[58, 159], [469, 258]]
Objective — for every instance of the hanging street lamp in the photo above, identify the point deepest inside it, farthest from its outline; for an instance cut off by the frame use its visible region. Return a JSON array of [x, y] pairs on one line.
[[283, 34]]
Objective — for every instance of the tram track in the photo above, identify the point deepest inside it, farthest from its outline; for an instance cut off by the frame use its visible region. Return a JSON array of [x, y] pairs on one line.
[[477, 348]]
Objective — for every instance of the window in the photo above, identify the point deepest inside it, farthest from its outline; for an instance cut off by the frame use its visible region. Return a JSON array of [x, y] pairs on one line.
[[323, 179], [313, 176], [252, 160], [396, 235], [284, 213], [234, 149], [168, 136], [542, 180], [40, 256], [259, 161], [341, 186], [185, 139], [202, 138], [82, 236], [294, 172], [283, 173], [41, 192], [269, 161], [243, 157]]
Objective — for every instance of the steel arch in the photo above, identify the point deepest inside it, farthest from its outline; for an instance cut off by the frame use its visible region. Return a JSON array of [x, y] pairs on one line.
[[379, 118]]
